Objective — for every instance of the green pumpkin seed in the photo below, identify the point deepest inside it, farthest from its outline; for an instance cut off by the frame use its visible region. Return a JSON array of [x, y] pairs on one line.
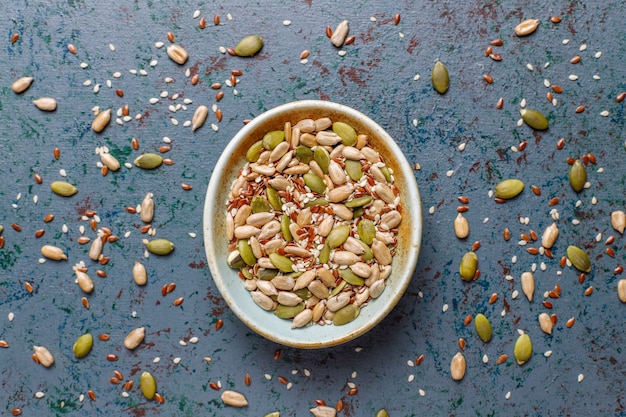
[[234, 260], [281, 262], [285, 221], [321, 201], [260, 204], [352, 278], [324, 256], [367, 231], [245, 250], [249, 46], [534, 119], [354, 169], [148, 385], [368, 255], [254, 151], [1, 229], [338, 236], [288, 312], [523, 349], [274, 199], [346, 314], [315, 183], [338, 288], [273, 138], [246, 273], [345, 132], [303, 293], [483, 327], [468, 266], [83, 345], [321, 156], [359, 201], [64, 189], [509, 188], [274, 414], [160, 246], [148, 161], [577, 176], [304, 154], [440, 78], [387, 174], [265, 274], [357, 212], [579, 259], [382, 413]]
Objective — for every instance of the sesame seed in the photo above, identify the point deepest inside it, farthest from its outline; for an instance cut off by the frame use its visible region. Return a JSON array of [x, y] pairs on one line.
[[604, 113], [565, 41], [596, 77], [508, 395], [598, 54], [286, 22], [422, 392], [112, 47], [372, 19], [342, 53], [462, 146], [514, 294], [431, 210], [530, 67], [485, 358], [411, 378], [416, 77], [573, 77], [196, 14], [445, 308], [581, 377], [583, 47]]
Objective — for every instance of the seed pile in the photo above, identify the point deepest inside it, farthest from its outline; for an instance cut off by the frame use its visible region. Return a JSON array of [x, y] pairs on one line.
[[312, 220]]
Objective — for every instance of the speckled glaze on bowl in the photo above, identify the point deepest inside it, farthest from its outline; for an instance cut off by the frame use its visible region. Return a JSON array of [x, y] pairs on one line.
[[228, 282]]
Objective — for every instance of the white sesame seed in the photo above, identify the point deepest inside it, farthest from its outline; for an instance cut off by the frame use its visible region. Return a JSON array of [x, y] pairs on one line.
[[543, 266], [214, 127], [547, 353], [222, 49], [596, 77], [565, 41], [583, 47], [520, 122], [143, 72], [128, 165], [554, 102], [373, 19], [187, 101], [485, 358], [546, 65], [533, 267], [514, 149], [581, 377], [431, 210], [515, 294], [342, 53], [42, 260], [81, 398], [415, 122], [112, 47], [604, 113], [575, 222], [503, 312], [192, 235], [508, 395], [445, 308], [600, 170], [87, 83], [508, 277], [573, 77], [401, 35], [411, 378], [174, 121], [286, 22], [420, 294], [594, 200], [11, 316], [176, 360], [96, 88], [39, 394], [229, 16], [194, 340], [462, 146], [109, 84], [163, 94], [304, 61], [187, 72], [119, 121], [416, 77], [546, 83], [158, 45], [268, 377], [289, 385], [422, 392], [514, 259], [598, 54], [522, 103], [530, 67], [196, 14], [156, 360], [116, 74], [520, 332], [187, 123]]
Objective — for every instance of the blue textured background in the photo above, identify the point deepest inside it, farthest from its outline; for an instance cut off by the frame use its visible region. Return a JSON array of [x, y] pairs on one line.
[[376, 77]]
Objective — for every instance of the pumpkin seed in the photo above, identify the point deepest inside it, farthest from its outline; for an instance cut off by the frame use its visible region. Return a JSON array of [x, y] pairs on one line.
[[346, 314], [148, 385], [338, 236], [260, 204], [322, 157], [285, 221], [134, 338], [321, 201], [352, 278], [234, 399], [483, 327], [534, 119], [523, 349], [345, 132], [83, 345], [272, 139], [324, 255], [440, 78], [249, 46], [508, 189], [148, 161], [245, 252], [101, 121], [315, 183], [618, 221], [160, 247], [382, 413], [281, 262], [254, 151], [578, 258], [458, 366], [387, 174], [63, 188], [367, 231], [621, 290], [273, 198], [273, 414], [354, 169], [577, 176], [265, 274], [469, 264], [304, 154], [288, 312]]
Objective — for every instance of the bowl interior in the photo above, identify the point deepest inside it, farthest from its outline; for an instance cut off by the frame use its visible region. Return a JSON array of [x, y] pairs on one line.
[[227, 279]]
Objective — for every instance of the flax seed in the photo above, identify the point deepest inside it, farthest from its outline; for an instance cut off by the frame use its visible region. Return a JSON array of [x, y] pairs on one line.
[[581, 277], [488, 51], [553, 201], [462, 209], [468, 319], [71, 48], [570, 322], [202, 23], [610, 252], [112, 358], [178, 301], [589, 291], [560, 144], [329, 31], [620, 97], [618, 270], [580, 109], [488, 78], [547, 304], [396, 19], [495, 57], [56, 152], [506, 234], [214, 386], [462, 344], [609, 240], [493, 298], [104, 337], [247, 380], [219, 324], [502, 358], [500, 103], [575, 60]]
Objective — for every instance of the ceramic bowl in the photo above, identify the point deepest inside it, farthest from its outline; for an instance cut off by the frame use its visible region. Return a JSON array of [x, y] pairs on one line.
[[226, 279]]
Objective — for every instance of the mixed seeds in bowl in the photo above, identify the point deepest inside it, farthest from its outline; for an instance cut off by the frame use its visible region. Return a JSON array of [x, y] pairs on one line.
[[312, 221]]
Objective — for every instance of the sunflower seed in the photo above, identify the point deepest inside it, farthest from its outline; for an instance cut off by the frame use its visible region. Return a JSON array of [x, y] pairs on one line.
[[177, 54], [147, 208], [53, 252], [139, 273], [101, 121], [339, 34], [44, 356], [199, 117], [45, 104], [458, 366], [618, 220], [526, 27], [22, 84], [528, 285]]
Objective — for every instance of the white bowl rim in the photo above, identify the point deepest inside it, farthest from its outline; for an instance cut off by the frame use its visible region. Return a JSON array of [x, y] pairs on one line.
[[314, 336]]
